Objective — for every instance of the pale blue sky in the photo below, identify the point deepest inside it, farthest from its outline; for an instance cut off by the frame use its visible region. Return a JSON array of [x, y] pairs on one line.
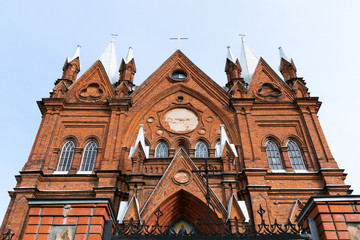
[[36, 36]]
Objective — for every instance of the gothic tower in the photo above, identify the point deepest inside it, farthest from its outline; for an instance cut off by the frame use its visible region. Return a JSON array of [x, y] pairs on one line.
[[109, 150]]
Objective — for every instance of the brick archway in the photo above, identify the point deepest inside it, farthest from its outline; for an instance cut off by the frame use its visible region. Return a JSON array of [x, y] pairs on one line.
[[182, 205]]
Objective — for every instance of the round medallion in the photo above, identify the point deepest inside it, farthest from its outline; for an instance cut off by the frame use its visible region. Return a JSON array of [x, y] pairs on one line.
[[182, 177], [202, 131], [150, 119], [180, 120], [159, 132], [210, 119]]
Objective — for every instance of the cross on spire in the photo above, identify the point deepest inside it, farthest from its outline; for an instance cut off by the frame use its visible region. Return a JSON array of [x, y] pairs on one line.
[[114, 35], [178, 38]]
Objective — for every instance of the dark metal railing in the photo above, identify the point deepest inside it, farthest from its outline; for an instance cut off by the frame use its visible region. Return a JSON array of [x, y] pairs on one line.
[[8, 235], [212, 228]]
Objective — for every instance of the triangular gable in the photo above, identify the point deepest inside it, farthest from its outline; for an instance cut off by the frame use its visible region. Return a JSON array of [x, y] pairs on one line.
[[175, 62], [93, 86], [59, 90], [234, 210], [132, 211], [238, 90], [300, 89], [266, 85], [179, 176], [295, 210]]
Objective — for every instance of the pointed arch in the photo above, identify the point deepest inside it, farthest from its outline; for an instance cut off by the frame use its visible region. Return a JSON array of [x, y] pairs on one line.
[[181, 205], [183, 143], [199, 96]]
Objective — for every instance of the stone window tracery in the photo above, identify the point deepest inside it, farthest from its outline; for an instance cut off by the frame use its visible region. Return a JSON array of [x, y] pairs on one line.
[[295, 156], [161, 150], [89, 156], [201, 150], [273, 155], [66, 156]]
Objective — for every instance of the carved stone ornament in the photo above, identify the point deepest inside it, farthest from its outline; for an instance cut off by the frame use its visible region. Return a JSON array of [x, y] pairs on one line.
[[92, 92], [182, 177], [269, 92]]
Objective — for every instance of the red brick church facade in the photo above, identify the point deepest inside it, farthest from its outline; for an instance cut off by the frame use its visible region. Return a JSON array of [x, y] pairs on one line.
[[106, 143]]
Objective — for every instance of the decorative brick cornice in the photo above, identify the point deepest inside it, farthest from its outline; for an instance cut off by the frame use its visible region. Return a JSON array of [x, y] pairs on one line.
[[51, 105]]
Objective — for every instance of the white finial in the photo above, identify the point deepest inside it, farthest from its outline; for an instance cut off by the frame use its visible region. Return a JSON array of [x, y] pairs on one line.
[[223, 139], [230, 56], [282, 55], [248, 61], [140, 139], [109, 61], [76, 54], [129, 56]]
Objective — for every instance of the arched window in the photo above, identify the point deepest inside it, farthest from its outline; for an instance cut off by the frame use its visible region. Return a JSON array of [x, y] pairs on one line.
[[273, 155], [66, 156], [296, 159], [217, 149], [89, 156], [161, 150], [201, 150]]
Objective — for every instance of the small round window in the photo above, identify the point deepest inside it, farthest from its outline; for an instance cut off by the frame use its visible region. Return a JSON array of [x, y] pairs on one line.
[[178, 75]]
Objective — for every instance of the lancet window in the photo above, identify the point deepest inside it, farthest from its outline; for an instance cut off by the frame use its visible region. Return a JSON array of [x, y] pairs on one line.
[[296, 159], [201, 150], [273, 155], [89, 156], [161, 150], [66, 156]]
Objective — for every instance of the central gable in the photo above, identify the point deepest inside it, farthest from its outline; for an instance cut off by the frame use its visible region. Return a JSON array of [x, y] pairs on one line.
[[163, 78]]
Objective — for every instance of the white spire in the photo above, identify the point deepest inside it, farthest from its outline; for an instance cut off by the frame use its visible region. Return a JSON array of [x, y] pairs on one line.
[[140, 139], [282, 55], [241, 204], [76, 54], [230, 56], [109, 61], [248, 61], [129, 56], [223, 139]]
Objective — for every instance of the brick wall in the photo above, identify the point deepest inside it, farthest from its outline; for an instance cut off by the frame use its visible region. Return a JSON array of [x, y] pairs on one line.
[[83, 219], [336, 217]]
